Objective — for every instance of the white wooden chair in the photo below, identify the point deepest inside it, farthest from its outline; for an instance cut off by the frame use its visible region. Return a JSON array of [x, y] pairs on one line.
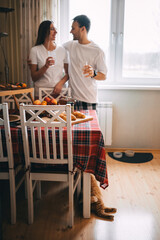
[[20, 98], [10, 100], [8, 169], [54, 164], [46, 92]]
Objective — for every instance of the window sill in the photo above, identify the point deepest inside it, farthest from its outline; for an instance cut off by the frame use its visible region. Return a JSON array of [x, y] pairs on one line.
[[128, 87]]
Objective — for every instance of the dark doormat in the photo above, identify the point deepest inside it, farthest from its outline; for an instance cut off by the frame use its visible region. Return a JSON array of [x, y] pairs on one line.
[[138, 157]]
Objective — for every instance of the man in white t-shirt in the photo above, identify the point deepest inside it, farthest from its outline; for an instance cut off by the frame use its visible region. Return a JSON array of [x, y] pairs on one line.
[[86, 64]]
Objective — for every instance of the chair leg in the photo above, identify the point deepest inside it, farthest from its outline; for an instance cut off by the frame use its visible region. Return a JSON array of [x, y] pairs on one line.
[[86, 195], [38, 189], [71, 201], [12, 195], [79, 188], [30, 198], [25, 188]]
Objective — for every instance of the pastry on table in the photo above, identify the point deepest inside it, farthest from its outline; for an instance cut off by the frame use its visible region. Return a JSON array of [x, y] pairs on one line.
[[78, 114], [64, 116], [2, 86]]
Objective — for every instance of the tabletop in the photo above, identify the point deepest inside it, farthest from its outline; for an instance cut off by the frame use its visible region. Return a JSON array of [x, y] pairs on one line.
[[16, 91], [88, 147]]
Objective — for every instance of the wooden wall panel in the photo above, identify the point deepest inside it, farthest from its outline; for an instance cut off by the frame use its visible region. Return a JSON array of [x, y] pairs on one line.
[[22, 27]]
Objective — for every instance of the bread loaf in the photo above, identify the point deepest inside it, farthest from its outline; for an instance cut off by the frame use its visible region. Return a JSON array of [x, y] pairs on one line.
[[78, 114]]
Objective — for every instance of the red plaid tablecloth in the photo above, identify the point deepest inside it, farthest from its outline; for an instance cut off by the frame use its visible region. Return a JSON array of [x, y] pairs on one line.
[[88, 147]]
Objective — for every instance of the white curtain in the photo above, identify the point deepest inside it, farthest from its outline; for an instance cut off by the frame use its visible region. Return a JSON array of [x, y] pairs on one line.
[[22, 26]]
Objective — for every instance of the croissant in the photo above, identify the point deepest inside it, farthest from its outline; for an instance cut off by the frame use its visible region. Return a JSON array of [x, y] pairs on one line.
[[64, 117], [73, 117], [78, 114]]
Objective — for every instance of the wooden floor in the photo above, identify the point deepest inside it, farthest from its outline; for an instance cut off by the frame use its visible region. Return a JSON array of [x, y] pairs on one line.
[[134, 189]]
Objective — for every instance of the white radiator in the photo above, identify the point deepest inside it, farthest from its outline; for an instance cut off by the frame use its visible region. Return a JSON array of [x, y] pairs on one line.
[[105, 121]]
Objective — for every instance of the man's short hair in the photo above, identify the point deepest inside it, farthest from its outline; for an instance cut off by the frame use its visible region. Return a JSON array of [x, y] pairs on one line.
[[83, 20]]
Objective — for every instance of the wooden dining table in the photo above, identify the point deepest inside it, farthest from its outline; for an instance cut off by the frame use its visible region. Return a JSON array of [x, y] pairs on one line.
[[88, 153]]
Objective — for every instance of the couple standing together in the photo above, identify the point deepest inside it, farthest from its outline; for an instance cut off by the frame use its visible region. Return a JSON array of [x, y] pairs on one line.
[[81, 62]]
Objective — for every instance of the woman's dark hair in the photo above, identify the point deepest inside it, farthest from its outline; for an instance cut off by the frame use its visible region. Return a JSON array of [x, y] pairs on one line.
[[83, 20], [43, 31]]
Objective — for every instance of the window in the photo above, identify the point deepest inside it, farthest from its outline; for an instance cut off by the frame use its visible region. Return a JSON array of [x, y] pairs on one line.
[[100, 23], [141, 43], [128, 31]]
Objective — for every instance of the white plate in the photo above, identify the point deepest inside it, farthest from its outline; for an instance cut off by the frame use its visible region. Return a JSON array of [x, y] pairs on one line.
[[14, 118]]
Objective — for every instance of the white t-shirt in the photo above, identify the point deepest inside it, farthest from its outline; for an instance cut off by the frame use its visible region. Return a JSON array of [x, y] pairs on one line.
[[54, 74], [84, 88]]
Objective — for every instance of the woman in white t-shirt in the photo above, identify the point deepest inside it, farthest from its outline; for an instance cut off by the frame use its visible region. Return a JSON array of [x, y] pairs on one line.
[[48, 62]]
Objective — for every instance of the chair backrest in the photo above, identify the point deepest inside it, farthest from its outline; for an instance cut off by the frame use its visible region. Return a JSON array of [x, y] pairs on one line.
[[47, 140], [46, 92], [10, 100], [20, 98], [6, 152]]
